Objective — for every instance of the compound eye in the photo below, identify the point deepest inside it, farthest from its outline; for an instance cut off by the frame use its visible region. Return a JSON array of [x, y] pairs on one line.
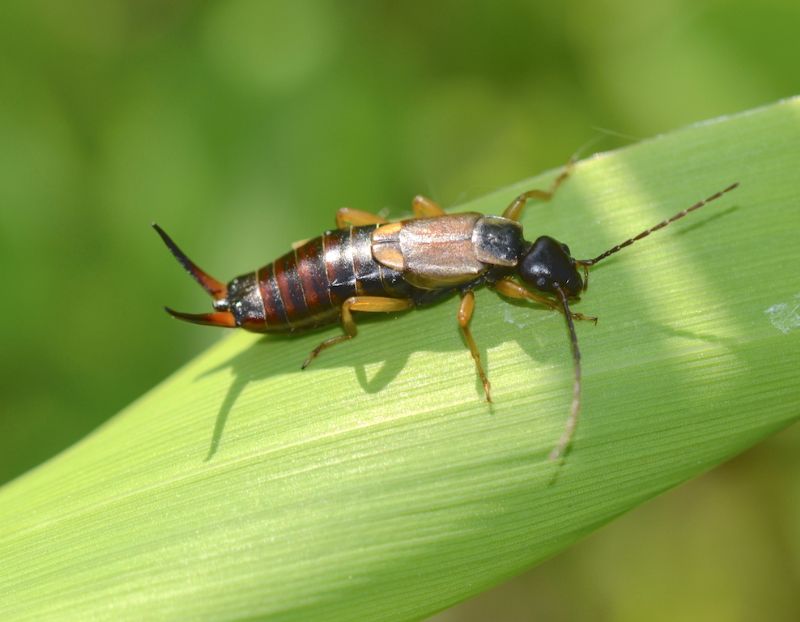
[[566, 249]]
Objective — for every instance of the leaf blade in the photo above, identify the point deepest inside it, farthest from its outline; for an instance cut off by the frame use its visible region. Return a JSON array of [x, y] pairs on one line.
[[377, 484]]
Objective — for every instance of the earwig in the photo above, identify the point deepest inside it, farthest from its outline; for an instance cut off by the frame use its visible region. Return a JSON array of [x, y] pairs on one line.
[[368, 264]]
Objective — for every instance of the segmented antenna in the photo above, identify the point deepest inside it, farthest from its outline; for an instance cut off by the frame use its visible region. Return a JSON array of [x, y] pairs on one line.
[[661, 225], [572, 420], [575, 409]]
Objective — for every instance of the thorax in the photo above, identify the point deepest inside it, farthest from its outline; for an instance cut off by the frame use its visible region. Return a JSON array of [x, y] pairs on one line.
[[447, 251]]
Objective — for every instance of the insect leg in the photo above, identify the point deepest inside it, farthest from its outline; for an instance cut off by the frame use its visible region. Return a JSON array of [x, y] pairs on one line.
[[511, 289], [423, 207], [374, 304], [347, 217], [514, 210], [464, 316]]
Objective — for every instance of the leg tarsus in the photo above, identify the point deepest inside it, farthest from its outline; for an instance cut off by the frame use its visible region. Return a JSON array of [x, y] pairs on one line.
[[587, 318], [324, 345], [464, 316]]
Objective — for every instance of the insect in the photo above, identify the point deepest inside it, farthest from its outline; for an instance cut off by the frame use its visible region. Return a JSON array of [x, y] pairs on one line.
[[370, 265]]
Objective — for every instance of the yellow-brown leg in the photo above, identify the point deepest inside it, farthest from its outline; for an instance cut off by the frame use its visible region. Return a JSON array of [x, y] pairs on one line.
[[424, 207], [511, 289], [464, 316], [514, 210], [373, 304], [349, 217]]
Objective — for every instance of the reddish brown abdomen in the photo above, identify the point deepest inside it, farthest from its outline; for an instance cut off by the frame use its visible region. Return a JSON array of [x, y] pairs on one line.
[[306, 287]]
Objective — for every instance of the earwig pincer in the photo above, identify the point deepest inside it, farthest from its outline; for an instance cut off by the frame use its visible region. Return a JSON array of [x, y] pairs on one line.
[[368, 264]]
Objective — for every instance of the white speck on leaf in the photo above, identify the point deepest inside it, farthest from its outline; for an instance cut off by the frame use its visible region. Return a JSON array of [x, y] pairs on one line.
[[508, 316], [785, 316]]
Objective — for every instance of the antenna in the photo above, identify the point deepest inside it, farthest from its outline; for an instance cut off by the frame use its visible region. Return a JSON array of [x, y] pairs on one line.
[[590, 262], [575, 409]]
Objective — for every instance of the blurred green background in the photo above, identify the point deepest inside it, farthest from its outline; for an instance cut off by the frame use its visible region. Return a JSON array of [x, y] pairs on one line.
[[241, 126]]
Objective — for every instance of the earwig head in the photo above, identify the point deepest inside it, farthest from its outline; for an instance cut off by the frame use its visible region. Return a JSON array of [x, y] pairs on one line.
[[548, 266], [216, 289]]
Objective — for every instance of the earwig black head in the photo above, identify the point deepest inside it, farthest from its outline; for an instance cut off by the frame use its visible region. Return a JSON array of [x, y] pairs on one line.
[[548, 266]]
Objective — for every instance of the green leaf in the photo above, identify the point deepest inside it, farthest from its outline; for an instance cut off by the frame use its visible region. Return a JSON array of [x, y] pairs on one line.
[[378, 484]]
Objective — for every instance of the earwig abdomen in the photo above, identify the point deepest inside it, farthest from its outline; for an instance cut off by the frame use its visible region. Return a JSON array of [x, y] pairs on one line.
[[305, 288]]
